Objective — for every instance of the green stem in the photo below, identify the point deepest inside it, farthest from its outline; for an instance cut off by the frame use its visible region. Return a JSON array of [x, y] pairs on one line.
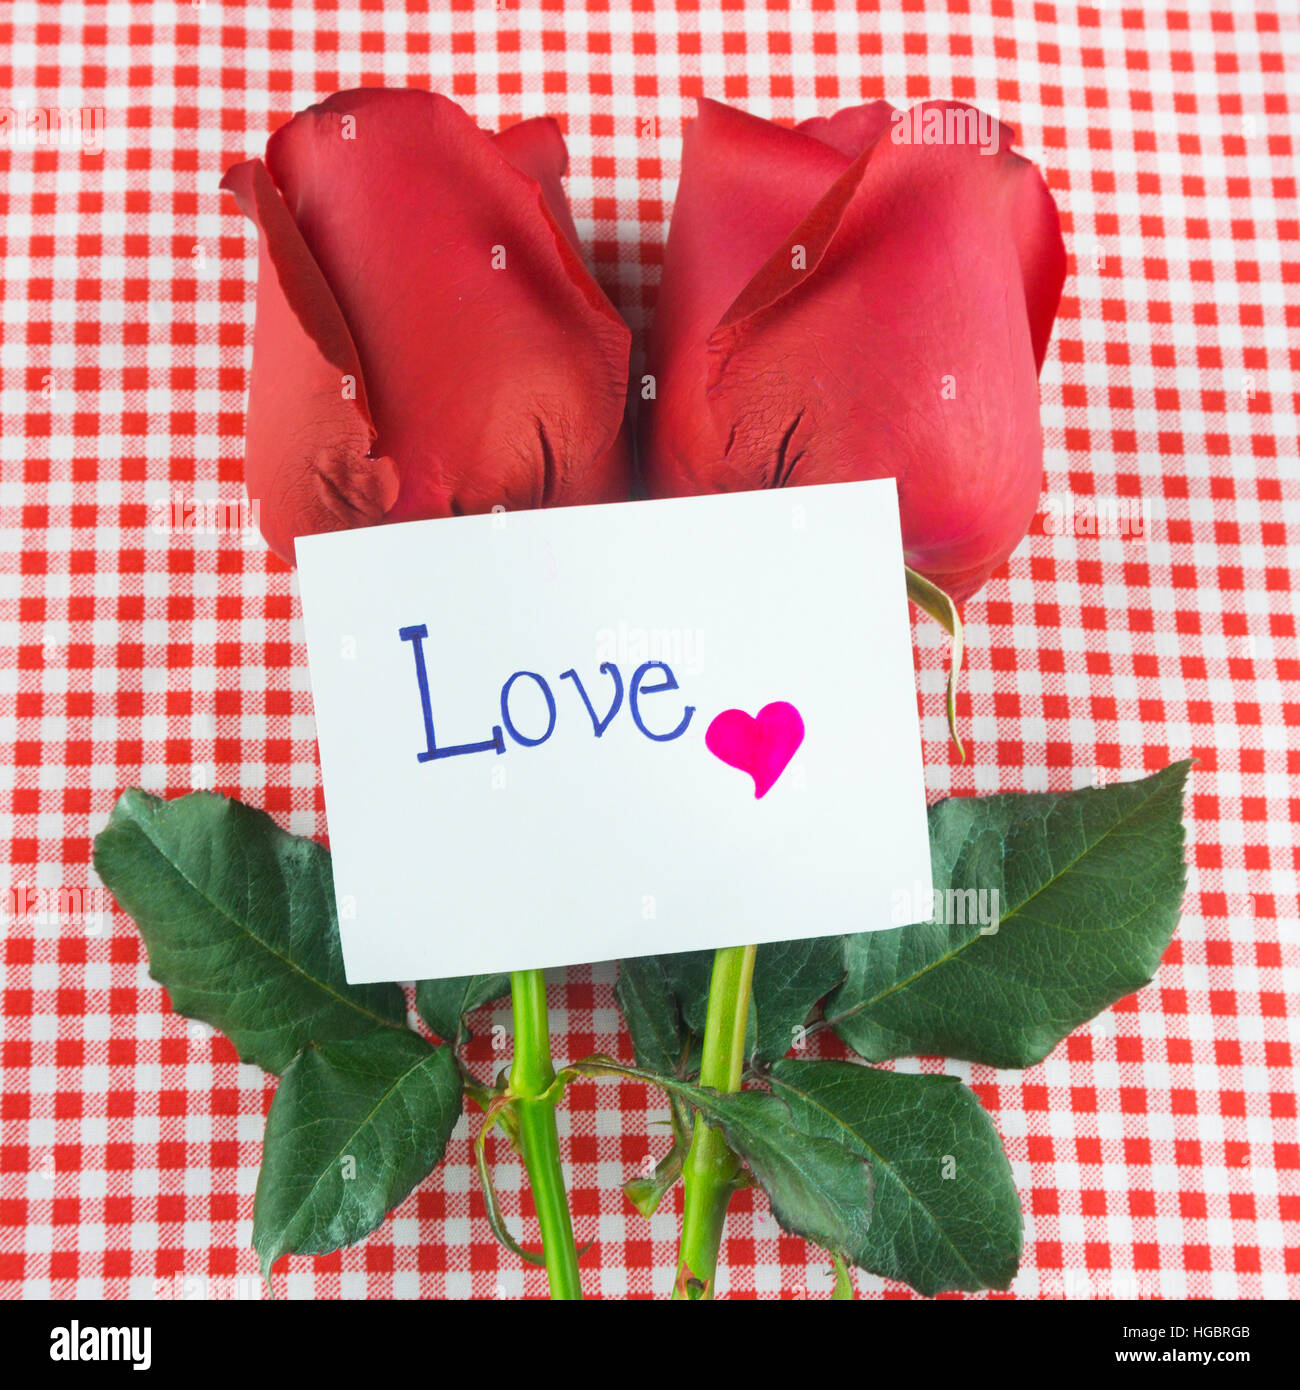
[[711, 1169], [531, 1076]]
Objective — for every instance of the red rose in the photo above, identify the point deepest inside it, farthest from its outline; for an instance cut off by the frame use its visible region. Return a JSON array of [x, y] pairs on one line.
[[863, 297], [428, 341]]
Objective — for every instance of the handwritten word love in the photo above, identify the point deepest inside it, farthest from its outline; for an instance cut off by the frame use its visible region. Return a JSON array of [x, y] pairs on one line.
[[637, 689]]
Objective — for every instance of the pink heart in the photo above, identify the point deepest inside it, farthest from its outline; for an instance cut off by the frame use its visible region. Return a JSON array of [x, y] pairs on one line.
[[761, 747]]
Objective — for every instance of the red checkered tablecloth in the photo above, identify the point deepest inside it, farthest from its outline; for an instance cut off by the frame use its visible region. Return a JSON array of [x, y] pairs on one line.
[[1155, 1150]]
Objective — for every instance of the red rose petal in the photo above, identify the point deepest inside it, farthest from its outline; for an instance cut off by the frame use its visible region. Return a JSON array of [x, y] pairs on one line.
[[307, 464], [853, 130], [926, 369], [495, 367], [745, 184], [894, 331], [536, 148]]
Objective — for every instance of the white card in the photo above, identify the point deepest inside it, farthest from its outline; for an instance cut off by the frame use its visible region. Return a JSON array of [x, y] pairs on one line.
[[535, 729]]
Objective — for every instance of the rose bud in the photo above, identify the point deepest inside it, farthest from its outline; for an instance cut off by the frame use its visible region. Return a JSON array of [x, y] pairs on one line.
[[867, 296], [428, 341]]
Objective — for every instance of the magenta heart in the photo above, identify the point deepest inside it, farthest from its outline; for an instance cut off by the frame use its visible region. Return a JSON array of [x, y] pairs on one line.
[[761, 747]]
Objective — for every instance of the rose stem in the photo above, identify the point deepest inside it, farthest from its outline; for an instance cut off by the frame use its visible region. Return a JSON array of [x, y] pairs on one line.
[[711, 1168], [531, 1076]]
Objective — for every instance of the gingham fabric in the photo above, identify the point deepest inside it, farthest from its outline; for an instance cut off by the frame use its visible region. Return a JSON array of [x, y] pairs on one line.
[[1155, 1150]]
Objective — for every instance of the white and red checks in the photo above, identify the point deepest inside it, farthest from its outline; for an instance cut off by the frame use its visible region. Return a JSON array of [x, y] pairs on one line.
[[1156, 1150]]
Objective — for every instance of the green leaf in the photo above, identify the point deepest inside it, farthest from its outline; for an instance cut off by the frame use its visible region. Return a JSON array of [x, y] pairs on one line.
[[239, 922], [443, 1004], [645, 1193], [818, 1187], [946, 1213], [789, 978], [661, 1042], [660, 1039], [688, 974], [1090, 886], [353, 1128], [664, 1000]]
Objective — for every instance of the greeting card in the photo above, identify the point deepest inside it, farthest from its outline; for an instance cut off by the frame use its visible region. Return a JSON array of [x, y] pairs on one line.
[[558, 736]]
